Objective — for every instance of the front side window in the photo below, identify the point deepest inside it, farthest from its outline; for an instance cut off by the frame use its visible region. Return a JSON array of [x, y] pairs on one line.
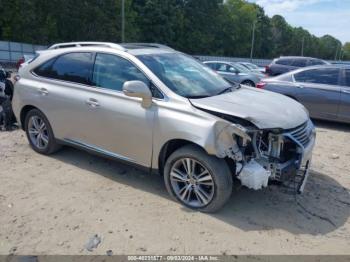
[[184, 75], [72, 67], [327, 76], [111, 72]]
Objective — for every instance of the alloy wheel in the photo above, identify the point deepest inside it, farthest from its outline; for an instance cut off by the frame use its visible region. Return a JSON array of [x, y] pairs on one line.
[[38, 132], [192, 182]]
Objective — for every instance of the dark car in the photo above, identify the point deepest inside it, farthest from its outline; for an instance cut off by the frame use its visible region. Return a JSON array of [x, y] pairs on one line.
[[323, 90], [288, 63]]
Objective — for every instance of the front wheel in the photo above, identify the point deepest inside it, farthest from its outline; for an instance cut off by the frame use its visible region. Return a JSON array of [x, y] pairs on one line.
[[198, 180]]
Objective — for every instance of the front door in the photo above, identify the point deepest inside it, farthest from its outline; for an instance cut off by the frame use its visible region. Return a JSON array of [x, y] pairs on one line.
[[118, 124]]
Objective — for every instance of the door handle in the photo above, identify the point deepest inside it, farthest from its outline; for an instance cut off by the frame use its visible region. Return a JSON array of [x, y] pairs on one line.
[[43, 91], [299, 86], [92, 103], [346, 91]]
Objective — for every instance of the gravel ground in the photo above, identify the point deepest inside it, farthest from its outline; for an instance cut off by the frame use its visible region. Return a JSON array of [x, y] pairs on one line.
[[54, 205]]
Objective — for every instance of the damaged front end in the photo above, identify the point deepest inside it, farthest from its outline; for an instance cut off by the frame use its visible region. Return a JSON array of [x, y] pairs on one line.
[[267, 155]]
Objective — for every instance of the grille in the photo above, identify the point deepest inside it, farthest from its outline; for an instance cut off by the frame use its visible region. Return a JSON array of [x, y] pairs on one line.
[[302, 133]]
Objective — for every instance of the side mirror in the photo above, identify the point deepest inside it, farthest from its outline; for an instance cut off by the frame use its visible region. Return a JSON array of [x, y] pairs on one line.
[[138, 89], [8, 74]]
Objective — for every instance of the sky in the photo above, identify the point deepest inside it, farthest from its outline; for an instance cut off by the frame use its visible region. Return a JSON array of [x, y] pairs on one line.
[[319, 17]]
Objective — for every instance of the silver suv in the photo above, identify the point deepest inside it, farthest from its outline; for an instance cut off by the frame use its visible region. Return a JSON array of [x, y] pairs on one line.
[[160, 109]]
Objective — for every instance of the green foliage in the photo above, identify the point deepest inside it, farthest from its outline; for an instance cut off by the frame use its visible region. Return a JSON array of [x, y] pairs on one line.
[[206, 27]]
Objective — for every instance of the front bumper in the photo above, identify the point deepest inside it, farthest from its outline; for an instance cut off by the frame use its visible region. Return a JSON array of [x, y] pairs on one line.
[[298, 169]]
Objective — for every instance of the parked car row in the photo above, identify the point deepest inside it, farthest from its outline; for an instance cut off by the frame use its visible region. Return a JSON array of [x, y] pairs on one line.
[[323, 88]]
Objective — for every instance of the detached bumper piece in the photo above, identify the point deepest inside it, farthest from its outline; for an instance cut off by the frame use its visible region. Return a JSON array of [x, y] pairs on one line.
[[296, 183]]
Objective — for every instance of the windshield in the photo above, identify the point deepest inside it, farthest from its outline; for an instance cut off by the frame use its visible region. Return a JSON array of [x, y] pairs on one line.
[[241, 68], [184, 75], [251, 66]]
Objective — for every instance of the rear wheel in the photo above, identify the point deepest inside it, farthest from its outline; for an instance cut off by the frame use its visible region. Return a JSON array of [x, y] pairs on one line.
[[198, 180], [39, 133]]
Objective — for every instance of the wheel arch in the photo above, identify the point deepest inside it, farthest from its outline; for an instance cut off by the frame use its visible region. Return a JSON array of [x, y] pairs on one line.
[[168, 148], [24, 112], [248, 81]]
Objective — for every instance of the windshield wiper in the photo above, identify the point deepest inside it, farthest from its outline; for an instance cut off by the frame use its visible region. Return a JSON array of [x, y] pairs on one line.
[[226, 90], [194, 97]]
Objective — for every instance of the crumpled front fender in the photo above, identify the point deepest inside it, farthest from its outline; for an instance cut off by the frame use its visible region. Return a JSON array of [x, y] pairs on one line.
[[225, 135]]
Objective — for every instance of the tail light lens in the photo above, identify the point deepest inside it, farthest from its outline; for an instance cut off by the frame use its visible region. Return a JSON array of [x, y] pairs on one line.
[[260, 85]]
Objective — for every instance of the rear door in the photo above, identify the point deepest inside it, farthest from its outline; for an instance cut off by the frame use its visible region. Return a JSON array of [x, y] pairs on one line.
[[61, 91], [344, 108], [319, 91]]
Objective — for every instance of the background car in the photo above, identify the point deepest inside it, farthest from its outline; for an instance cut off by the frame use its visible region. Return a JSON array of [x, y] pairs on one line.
[[323, 90], [23, 60], [252, 67], [235, 72], [288, 63]]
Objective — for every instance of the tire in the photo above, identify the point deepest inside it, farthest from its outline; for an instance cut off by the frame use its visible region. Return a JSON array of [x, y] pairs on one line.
[[48, 143], [219, 188], [248, 83]]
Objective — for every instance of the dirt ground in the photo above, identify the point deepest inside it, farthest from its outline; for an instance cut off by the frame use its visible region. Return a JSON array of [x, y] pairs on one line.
[[53, 205]]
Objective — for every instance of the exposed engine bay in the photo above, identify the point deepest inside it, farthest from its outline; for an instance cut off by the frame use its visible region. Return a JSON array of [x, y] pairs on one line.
[[264, 155]]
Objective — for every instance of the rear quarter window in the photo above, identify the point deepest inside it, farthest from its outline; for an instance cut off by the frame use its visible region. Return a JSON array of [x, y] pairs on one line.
[[71, 67]]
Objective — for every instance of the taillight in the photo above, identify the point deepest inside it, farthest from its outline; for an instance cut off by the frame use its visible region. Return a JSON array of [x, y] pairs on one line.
[[267, 69], [260, 85]]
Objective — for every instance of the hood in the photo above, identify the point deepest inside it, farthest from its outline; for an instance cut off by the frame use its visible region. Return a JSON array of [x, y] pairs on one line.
[[264, 109]]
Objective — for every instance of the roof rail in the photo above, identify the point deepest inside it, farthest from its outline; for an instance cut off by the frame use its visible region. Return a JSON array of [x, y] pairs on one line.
[[145, 45], [82, 44]]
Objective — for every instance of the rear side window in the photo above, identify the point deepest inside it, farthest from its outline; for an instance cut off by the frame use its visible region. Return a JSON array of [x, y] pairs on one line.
[[284, 61], [299, 62], [72, 67], [347, 77], [327, 76], [111, 72], [316, 62]]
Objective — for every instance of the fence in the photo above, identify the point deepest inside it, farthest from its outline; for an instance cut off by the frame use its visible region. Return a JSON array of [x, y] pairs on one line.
[[10, 52]]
